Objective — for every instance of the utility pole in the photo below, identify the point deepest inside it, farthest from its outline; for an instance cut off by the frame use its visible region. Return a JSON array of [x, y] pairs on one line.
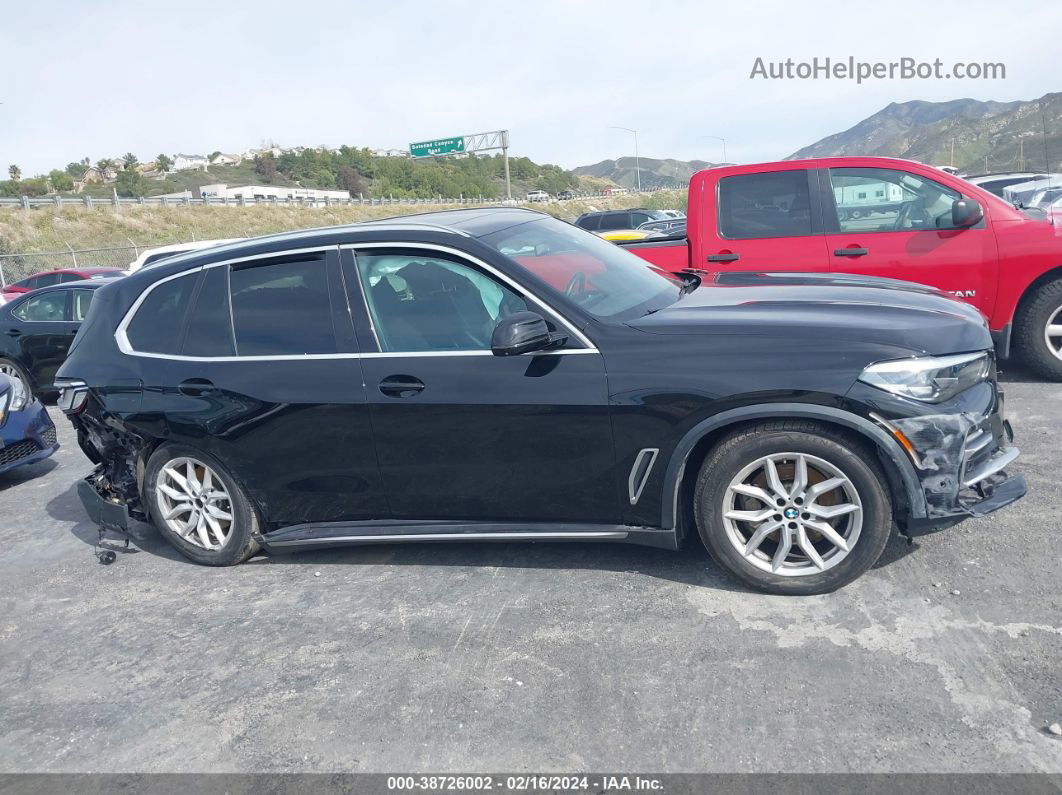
[[718, 138], [637, 159], [952, 163], [505, 156]]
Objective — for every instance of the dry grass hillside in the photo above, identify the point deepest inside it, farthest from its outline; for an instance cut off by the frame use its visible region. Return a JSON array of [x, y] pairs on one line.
[[47, 230]]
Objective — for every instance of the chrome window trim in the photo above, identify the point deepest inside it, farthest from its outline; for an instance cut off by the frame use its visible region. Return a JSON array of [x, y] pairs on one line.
[[121, 336], [512, 283]]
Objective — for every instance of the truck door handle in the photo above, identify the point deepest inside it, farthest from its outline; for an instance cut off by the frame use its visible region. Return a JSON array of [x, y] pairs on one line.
[[850, 252], [14, 332], [729, 256], [401, 386], [196, 387]]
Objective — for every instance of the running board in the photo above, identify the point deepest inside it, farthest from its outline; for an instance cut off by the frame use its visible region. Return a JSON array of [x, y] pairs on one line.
[[328, 534]]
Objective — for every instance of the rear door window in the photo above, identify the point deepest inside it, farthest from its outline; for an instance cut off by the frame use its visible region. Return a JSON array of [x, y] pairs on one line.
[[47, 308], [771, 204], [156, 326], [592, 223], [611, 221], [281, 307], [209, 323]]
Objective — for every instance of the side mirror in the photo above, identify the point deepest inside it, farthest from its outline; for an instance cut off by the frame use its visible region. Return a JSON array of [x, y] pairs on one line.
[[966, 212], [523, 332]]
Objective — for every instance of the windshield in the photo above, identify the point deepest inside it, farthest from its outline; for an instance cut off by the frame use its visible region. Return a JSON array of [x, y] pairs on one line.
[[601, 278]]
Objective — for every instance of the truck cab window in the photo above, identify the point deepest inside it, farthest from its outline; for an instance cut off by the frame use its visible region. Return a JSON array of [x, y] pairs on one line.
[[885, 200], [771, 204]]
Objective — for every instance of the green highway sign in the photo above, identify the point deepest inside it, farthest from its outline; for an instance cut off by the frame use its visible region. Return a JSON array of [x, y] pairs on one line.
[[440, 146]]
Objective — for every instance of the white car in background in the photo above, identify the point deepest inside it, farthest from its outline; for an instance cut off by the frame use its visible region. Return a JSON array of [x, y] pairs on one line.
[[537, 196], [150, 256]]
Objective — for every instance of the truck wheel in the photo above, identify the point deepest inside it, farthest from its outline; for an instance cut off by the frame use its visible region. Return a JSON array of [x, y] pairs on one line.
[[1038, 331], [792, 507], [198, 507]]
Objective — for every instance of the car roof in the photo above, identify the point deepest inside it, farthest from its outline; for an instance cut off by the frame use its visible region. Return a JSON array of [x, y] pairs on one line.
[[87, 284]]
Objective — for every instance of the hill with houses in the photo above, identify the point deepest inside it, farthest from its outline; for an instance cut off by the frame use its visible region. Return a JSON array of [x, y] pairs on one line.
[[272, 170]]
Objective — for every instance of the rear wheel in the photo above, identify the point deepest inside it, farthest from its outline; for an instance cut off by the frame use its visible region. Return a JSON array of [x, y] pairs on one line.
[[198, 507], [792, 507], [13, 370], [1038, 331]]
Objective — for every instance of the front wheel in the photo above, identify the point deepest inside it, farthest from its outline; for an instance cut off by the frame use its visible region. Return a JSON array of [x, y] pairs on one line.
[[15, 371], [199, 507], [1038, 331], [792, 507]]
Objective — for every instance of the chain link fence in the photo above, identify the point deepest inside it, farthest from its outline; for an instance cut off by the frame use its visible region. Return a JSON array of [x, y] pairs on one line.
[[14, 267]]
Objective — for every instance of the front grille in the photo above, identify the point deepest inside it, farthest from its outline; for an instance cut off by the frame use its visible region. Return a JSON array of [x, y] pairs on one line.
[[18, 451], [49, 437]]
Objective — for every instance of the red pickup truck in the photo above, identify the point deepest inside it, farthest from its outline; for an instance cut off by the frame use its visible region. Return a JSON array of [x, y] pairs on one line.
[[880, 216]]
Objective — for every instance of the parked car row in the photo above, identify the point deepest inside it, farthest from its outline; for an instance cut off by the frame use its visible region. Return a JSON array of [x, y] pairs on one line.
[[326, 387], [443, 377]]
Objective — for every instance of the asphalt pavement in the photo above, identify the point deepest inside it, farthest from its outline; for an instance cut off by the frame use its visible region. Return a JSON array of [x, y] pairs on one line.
[[946, 657]]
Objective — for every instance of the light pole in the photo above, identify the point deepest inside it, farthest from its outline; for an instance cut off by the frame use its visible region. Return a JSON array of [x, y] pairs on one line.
[[718, 138], [637, 160]]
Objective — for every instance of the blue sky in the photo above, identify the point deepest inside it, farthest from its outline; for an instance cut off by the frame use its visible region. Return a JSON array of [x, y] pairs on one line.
[[99, 79]]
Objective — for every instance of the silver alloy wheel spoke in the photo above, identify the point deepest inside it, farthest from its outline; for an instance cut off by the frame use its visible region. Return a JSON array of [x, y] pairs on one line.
[[1053, 333], [193, 503], [792, 514]]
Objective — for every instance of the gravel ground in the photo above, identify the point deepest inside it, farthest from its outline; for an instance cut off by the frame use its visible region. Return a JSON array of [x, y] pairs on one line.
[[945, 657]]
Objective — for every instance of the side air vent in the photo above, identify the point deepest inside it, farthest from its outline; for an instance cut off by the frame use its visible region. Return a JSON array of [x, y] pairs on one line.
[[643, 465]]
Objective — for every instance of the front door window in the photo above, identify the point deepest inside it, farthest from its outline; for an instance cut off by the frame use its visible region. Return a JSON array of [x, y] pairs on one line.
[[427, 303]]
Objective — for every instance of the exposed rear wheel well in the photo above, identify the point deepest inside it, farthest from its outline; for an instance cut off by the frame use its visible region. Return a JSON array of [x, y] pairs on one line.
[[707, 443]]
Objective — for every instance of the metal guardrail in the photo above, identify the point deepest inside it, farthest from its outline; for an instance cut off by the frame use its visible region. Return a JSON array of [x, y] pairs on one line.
[[32, 202]]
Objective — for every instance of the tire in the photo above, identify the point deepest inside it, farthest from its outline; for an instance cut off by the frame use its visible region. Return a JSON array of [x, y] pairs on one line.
[[236, 542], [1030, 328], [863, 527], [16, 370]]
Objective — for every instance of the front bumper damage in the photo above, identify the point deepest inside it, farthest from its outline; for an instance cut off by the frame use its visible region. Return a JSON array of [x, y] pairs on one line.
[[961, 460]]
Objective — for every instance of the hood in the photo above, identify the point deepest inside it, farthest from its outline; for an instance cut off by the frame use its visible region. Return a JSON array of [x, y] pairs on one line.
[[825, 308]]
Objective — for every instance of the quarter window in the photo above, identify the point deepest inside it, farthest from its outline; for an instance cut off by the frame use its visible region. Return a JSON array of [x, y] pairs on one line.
[[156, 326], [50, 307], [886, 200], [428, 303], [772, 204], [282, 308]]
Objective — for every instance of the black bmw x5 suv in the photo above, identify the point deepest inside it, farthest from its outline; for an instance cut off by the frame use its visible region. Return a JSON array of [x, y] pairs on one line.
[[498, 374]]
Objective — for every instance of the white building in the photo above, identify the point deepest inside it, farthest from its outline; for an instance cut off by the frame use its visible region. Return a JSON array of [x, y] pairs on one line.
[[389, 152], [223, 159], [252, 192], [190, 162]]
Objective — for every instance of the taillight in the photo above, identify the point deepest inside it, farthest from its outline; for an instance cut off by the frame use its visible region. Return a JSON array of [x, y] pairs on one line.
[[73, 395]]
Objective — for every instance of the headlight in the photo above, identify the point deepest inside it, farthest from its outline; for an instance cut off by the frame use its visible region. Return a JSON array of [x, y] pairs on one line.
[[19, 395], [931, 379]]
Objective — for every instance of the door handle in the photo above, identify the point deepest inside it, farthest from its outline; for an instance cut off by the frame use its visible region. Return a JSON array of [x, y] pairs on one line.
[[14, 332], [196, 387], [728, 256], [850, 252], [400, 386]]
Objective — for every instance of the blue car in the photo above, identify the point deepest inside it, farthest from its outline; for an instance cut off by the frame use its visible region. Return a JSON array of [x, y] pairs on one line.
[[27, 433]]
